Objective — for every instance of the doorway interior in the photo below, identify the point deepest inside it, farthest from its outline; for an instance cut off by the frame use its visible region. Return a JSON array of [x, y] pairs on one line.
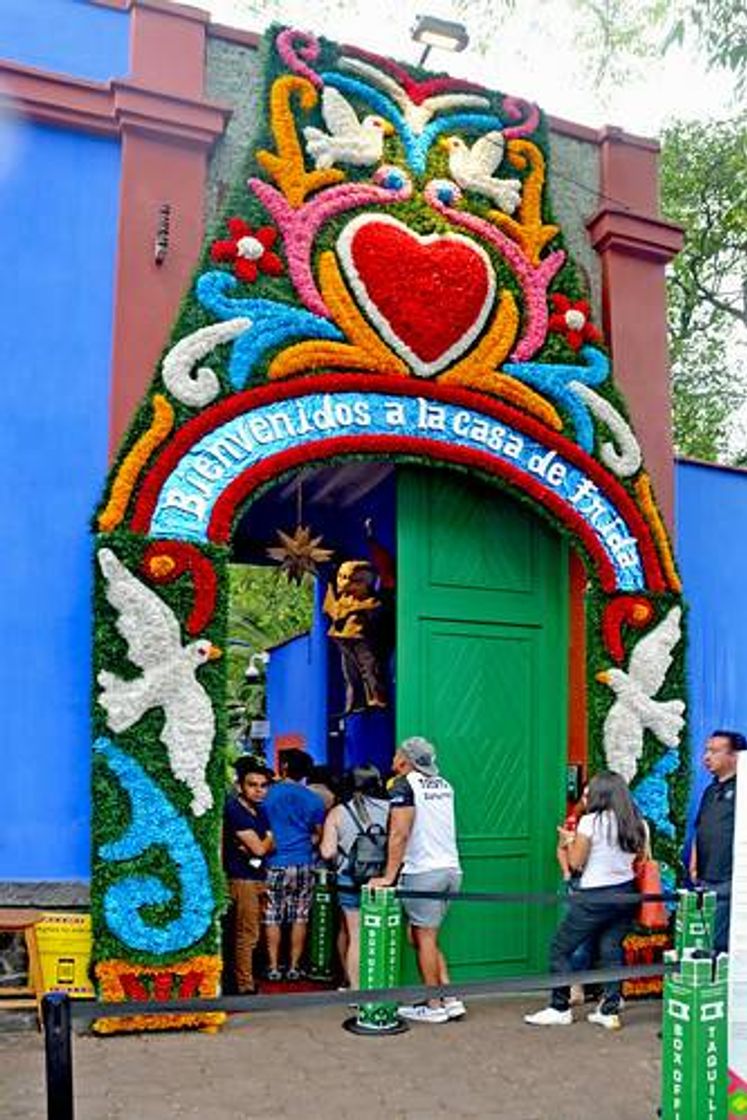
[[479, 665]]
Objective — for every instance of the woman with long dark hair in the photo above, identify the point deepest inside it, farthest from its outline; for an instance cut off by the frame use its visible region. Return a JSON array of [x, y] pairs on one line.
[[610, 836]]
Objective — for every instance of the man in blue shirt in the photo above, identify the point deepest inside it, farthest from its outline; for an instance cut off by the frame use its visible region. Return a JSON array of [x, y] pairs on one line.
[[246, 841], [296, 816]]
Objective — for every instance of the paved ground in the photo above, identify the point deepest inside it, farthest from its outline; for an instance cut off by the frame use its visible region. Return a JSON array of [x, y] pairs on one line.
[[302, 1064]]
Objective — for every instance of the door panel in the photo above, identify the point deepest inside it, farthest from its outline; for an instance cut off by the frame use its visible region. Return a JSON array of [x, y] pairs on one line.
[[480, 567], [481, 669]]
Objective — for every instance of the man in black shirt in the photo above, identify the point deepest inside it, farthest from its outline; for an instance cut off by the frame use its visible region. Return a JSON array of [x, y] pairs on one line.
[[711, 856], [247, 839]]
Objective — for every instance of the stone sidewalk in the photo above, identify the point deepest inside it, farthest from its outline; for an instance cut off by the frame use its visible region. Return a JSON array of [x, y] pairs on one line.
[[302, 1064]]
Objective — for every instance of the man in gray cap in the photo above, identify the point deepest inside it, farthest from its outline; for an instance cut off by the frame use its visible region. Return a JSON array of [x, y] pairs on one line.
[[422, 855]]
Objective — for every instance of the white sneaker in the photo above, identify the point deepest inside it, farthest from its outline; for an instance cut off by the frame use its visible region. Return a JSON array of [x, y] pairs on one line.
[[454, 1007], [550, 1017], [422, 1013], [610, 1022]]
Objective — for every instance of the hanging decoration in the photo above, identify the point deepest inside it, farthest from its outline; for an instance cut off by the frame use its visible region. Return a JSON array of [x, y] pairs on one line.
[[360, 611], [299, 553]]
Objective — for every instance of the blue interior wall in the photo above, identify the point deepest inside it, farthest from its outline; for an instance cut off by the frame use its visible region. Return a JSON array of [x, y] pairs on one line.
[[66, 36], [58, 229], [295, 692], [711, 547]]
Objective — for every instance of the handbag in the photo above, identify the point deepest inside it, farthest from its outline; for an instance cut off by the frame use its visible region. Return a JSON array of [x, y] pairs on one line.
[[651, 915]]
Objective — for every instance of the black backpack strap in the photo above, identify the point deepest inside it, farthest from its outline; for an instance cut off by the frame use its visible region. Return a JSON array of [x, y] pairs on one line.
[[354, 816], [346, 851]]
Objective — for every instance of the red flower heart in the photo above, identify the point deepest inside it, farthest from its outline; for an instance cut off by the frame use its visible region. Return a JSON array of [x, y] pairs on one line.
[[428, 297]]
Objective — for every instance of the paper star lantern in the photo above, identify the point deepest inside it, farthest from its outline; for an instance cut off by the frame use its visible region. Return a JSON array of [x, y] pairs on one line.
[[298, 554]]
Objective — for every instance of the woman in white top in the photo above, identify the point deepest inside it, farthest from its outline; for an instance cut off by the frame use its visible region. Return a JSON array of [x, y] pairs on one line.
[[365, 808], [609, 838]]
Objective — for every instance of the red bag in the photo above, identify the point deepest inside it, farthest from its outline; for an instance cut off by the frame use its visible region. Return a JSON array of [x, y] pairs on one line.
[[651, 915]]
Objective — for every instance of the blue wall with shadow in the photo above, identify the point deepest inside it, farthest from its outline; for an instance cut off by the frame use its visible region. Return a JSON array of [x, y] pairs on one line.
[[67, 36], [296, 694], [59, 195], [711, 550]]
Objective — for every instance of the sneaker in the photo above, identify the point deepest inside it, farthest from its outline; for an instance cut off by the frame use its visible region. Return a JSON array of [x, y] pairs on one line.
[[294, 974], [620, 1006], [609, 1020], [274, 974], [550, 1017], [423, 1013], [454, 1007]]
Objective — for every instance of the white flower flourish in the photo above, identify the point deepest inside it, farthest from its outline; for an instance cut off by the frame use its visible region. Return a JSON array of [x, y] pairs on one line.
[[202, 386]]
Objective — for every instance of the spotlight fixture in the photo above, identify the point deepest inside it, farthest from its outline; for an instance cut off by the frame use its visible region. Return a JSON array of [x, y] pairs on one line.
[[442, 34]]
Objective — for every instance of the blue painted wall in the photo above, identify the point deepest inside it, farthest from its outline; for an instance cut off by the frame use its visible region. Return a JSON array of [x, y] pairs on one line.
[[67, 36], [296, 688], [58, 226], [711, 550]]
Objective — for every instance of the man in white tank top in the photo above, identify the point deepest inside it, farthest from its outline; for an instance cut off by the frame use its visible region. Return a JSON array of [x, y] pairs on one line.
[[422, 855]]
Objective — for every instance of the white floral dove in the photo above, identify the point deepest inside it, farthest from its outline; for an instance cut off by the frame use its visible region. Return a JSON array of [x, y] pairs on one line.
[[167, 681], [473, 168], [635, 708], [360, 143]]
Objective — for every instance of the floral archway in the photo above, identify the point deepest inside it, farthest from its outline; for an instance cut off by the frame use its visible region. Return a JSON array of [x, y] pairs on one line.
[[389, 281]]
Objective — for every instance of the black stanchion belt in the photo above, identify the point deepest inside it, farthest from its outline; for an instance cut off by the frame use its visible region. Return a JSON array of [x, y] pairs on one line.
[[85, 1013], [547, 898]]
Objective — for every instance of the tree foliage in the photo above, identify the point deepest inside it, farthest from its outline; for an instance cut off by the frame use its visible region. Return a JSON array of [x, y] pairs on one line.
[[704, 189], [720, 29], [264, 609]]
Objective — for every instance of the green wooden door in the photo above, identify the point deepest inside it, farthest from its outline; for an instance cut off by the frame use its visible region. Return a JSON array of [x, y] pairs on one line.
[[482, 593]]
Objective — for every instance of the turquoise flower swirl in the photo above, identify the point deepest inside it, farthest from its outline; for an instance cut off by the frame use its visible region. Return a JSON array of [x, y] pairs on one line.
[[154, 821]]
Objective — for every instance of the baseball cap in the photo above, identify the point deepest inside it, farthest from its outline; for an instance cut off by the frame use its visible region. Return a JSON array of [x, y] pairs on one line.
[[421, 754]]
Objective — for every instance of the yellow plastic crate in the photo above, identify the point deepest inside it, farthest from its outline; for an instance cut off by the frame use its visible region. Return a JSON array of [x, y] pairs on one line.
[[65, 944]]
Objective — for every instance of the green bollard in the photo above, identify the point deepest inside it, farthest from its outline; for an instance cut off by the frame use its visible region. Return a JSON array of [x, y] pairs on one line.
[[380, 936], [695, 1039], [695, 922], [695, 1028], [322, 926]]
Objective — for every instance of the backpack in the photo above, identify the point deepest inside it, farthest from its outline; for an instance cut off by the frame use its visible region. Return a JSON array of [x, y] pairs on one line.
[[366, 856]]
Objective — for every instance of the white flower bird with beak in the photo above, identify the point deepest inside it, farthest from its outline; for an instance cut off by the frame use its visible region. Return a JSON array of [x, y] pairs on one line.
[[359, 143], [168, 681], [636, 708], [473, 169]]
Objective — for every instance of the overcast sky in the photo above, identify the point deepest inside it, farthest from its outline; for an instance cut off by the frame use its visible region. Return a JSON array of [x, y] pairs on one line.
[[535, 53]]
